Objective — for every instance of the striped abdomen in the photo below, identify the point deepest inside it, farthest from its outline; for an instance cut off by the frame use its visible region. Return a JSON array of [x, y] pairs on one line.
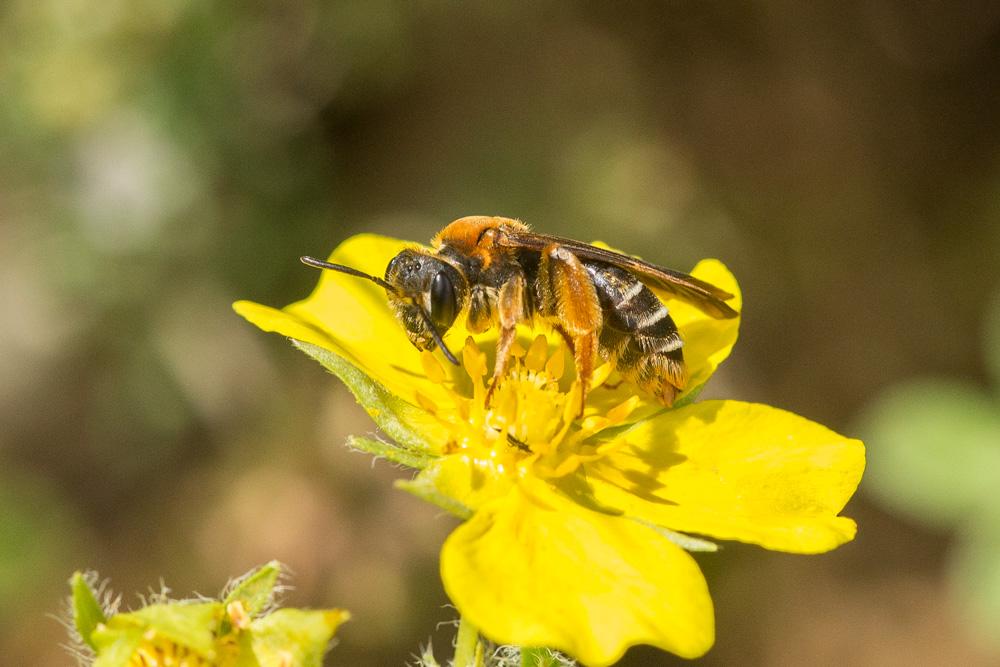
[[638, 333]]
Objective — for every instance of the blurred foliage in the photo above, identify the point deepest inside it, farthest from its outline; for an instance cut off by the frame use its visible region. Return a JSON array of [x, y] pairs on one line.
[[934, 457], [159, 160]]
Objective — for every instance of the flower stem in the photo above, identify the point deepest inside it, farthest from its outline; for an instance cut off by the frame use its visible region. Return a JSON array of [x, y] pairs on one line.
[[466, 644]]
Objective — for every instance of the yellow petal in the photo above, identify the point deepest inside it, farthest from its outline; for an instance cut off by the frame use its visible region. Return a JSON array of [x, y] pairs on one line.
[[738, 471], [468, 480], [535, 569], [278, 321]]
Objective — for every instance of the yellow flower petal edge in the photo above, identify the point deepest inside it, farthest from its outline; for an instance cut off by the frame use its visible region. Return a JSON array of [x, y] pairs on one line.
[[738, 471], [707, 341], [535, 569]]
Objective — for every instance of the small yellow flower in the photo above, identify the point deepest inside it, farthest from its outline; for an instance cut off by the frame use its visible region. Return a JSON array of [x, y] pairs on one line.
[[576, 526]]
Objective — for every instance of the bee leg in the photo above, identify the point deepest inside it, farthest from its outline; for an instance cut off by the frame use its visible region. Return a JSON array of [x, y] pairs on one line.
[[568, 296], [510, 311], [565, 336], [585, 352], [504, 343], [480, 310]]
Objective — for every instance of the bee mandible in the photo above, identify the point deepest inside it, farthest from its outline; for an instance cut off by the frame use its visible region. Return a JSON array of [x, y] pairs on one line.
[[500, 273]]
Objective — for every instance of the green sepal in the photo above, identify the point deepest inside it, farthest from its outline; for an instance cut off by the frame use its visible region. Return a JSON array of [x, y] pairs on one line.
[[115, 646], [390, 451], [686, 542], [690, 396], [87, 613], [256, 590], [540, 657], [393, 415], [426, 658], [300, 634], [424, 489]]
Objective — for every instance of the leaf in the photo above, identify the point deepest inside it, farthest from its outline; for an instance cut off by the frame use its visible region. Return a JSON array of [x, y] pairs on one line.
[[991, 338], [116, 646], [87, 613], [934, 449], [974, 570]]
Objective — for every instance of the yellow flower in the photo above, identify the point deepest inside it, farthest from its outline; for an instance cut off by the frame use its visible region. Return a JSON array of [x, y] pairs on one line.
[[576, 530]]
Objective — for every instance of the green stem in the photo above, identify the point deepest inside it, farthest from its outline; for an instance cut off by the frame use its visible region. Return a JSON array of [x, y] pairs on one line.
[[466, 644]]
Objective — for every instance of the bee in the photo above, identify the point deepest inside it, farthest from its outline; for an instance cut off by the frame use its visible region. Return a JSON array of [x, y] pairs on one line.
[[500, 274]]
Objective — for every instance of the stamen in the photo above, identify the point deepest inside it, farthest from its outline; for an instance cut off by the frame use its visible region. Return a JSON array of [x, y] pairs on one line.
[[556, 365], [473, 359], [621, 411], [534, 360], [238, 614], [601, 374], [426, 403], [432, 368]]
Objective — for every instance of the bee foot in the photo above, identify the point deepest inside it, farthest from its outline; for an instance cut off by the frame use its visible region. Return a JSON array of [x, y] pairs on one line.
[[489, 393]]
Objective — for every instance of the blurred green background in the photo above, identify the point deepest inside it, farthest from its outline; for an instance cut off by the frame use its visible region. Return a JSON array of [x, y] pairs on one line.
[[159, 160]]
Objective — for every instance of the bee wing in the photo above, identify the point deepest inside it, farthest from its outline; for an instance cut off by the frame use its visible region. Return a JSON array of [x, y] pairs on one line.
[[705, 296]]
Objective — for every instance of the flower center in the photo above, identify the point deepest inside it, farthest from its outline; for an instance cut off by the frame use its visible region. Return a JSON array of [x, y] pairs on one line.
[[530, 419]]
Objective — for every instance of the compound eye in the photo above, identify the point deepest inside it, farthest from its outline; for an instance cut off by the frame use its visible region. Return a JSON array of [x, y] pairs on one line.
[[444, 303]]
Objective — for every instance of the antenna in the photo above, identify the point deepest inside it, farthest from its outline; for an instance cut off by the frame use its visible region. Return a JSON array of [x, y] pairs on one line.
[[320, 264]]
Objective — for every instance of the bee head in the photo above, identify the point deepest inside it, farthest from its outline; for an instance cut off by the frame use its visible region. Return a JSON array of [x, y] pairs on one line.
[[427, 295]]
